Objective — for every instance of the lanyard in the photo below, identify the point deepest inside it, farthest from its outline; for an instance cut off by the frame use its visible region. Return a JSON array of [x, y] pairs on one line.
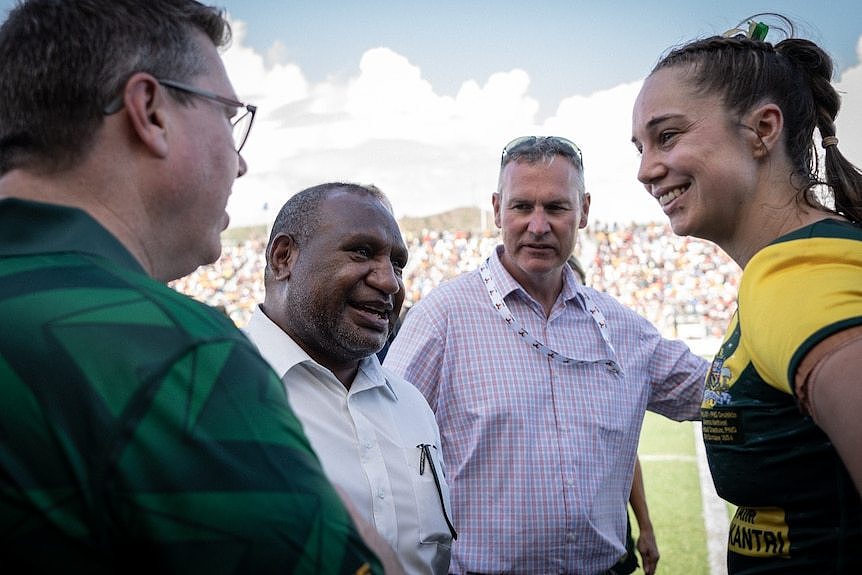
[[529, 339]]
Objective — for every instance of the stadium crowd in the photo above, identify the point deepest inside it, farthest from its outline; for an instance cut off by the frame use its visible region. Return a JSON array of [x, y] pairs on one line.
[[645, 266], [234, 283]]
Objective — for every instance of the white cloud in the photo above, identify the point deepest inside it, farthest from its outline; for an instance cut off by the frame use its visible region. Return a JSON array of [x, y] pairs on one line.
[[429, 152], [258, 81], [389, 99], [849, 122]]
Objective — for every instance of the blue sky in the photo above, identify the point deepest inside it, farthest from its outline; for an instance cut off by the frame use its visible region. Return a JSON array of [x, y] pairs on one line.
[[419, 97], [568, 47]]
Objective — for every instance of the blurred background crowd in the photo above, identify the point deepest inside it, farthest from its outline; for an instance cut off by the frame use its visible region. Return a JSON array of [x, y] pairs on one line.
[[645, 266]]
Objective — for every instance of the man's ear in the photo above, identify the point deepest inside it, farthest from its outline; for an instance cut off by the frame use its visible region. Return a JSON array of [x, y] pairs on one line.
[[281, 256], [145, 105], [585, 210], [495, 202], [767, 123]]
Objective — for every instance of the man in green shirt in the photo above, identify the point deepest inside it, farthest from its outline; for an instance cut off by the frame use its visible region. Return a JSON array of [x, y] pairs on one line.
[[139, 430]]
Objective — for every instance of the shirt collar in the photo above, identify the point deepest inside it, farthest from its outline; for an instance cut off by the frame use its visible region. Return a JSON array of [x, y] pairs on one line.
[[30, 228], [572, 289], [274, 345], [283, 354]]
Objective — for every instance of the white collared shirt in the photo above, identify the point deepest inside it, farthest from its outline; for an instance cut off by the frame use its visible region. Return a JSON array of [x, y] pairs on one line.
[[367, 440]]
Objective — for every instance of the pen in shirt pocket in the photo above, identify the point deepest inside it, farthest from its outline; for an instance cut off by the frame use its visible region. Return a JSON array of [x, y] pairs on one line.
[[425, 455]]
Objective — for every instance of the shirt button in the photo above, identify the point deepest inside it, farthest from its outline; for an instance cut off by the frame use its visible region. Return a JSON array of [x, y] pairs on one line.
[[381, 494], [368, 445], [570, 536]]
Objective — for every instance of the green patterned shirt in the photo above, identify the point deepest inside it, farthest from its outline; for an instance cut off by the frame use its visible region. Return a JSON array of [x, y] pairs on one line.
[[139, 429]]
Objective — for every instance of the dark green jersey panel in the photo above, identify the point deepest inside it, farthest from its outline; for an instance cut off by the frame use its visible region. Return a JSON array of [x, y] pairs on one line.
[[139, 429]]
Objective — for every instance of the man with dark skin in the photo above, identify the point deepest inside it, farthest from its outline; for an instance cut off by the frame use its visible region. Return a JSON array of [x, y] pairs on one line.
[[333, 294]]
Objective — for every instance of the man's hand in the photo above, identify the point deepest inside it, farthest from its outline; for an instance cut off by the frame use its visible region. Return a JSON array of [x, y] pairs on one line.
[[648, 550]]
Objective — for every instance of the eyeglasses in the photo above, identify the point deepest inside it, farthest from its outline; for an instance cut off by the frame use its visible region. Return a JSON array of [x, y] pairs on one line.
[[241, 124], [540, 145]]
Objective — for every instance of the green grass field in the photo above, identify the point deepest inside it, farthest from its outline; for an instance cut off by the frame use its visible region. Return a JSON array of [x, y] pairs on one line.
[[668, 459]]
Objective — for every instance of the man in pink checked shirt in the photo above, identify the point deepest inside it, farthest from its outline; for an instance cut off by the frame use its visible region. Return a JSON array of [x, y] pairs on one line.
[[539, 384]]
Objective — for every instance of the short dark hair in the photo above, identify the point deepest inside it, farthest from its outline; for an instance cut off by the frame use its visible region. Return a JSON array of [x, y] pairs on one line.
[[300, 216], [61, 62]]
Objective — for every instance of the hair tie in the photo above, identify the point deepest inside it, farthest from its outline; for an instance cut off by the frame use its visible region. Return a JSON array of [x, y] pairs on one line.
[[756, 31], [829, 141]]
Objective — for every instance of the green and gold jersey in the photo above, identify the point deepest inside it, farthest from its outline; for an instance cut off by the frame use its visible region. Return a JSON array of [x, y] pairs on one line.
[[798, 509], [140, 431]]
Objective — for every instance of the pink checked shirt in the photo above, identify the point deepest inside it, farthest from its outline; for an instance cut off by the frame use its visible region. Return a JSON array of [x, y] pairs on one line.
[[540, 455]]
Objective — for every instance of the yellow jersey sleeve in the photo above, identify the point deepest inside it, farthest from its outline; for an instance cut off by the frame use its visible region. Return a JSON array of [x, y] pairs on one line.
[[796, 292]]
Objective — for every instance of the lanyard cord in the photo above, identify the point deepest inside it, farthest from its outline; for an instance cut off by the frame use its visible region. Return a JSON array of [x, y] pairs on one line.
[[529, 339]]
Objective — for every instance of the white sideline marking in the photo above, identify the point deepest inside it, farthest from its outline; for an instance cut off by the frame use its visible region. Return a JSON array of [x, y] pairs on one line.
[[666, 457], [715, 519]]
